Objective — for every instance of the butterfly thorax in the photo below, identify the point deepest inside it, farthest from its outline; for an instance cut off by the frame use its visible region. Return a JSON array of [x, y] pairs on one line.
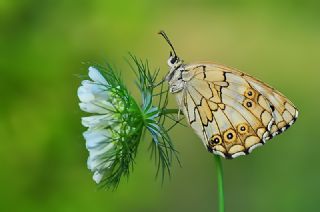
[[177, 76]]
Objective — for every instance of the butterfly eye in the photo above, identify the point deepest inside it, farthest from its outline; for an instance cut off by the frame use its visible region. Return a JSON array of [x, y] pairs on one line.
[[216, 139], [230, 135], [243, 128], [249, 93], [173, 59], [248, 103]]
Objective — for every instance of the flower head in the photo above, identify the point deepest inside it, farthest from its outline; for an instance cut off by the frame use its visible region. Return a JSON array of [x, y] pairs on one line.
[[117, 122], [114, 128]]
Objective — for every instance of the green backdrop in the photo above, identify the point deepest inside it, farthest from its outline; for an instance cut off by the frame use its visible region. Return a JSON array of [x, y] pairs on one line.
[[44, 46]]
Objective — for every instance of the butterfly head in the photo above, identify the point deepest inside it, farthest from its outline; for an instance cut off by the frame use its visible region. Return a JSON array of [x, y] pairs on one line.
[[174, 61]]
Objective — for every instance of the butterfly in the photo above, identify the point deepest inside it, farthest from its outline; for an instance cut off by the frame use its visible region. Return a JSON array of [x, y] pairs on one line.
[[232, 112]]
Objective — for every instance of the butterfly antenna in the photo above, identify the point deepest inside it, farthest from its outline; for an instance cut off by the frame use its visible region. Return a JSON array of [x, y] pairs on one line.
[[164, 35]]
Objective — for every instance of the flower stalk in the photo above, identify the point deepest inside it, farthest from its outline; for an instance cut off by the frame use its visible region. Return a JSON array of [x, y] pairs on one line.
[[220, 182]]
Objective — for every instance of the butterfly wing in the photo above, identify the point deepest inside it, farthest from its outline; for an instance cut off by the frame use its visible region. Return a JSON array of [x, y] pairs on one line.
[[284, 112], [232, 112]]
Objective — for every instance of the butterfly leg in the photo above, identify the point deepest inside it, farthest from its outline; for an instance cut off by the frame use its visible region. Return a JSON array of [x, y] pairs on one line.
[[159, 83], [180, 102]]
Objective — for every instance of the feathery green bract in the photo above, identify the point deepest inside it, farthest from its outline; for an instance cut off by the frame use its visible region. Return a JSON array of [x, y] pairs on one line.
[[162, 148]]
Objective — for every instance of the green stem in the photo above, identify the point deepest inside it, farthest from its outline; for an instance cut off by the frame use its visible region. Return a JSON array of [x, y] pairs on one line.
[[170, 111], [220, 182]]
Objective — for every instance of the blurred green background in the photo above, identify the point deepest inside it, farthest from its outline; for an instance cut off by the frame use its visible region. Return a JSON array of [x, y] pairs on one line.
[[43, 45]]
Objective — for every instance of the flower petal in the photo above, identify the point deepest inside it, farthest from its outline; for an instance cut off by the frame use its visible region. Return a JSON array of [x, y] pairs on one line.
[[97, 177], [98, 121], [96, 76], [93, 108], [96, 138], [90, 91], [97, 158], [85, 95]]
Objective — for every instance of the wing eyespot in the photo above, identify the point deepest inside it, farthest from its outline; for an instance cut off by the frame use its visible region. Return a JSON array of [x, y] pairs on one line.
[[215, 140], [249, 93], [230, 136], [242, 128], [248, 103]]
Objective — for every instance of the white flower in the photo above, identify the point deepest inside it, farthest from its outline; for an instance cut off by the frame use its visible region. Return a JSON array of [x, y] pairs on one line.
[[96, 97], [116, 124]]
